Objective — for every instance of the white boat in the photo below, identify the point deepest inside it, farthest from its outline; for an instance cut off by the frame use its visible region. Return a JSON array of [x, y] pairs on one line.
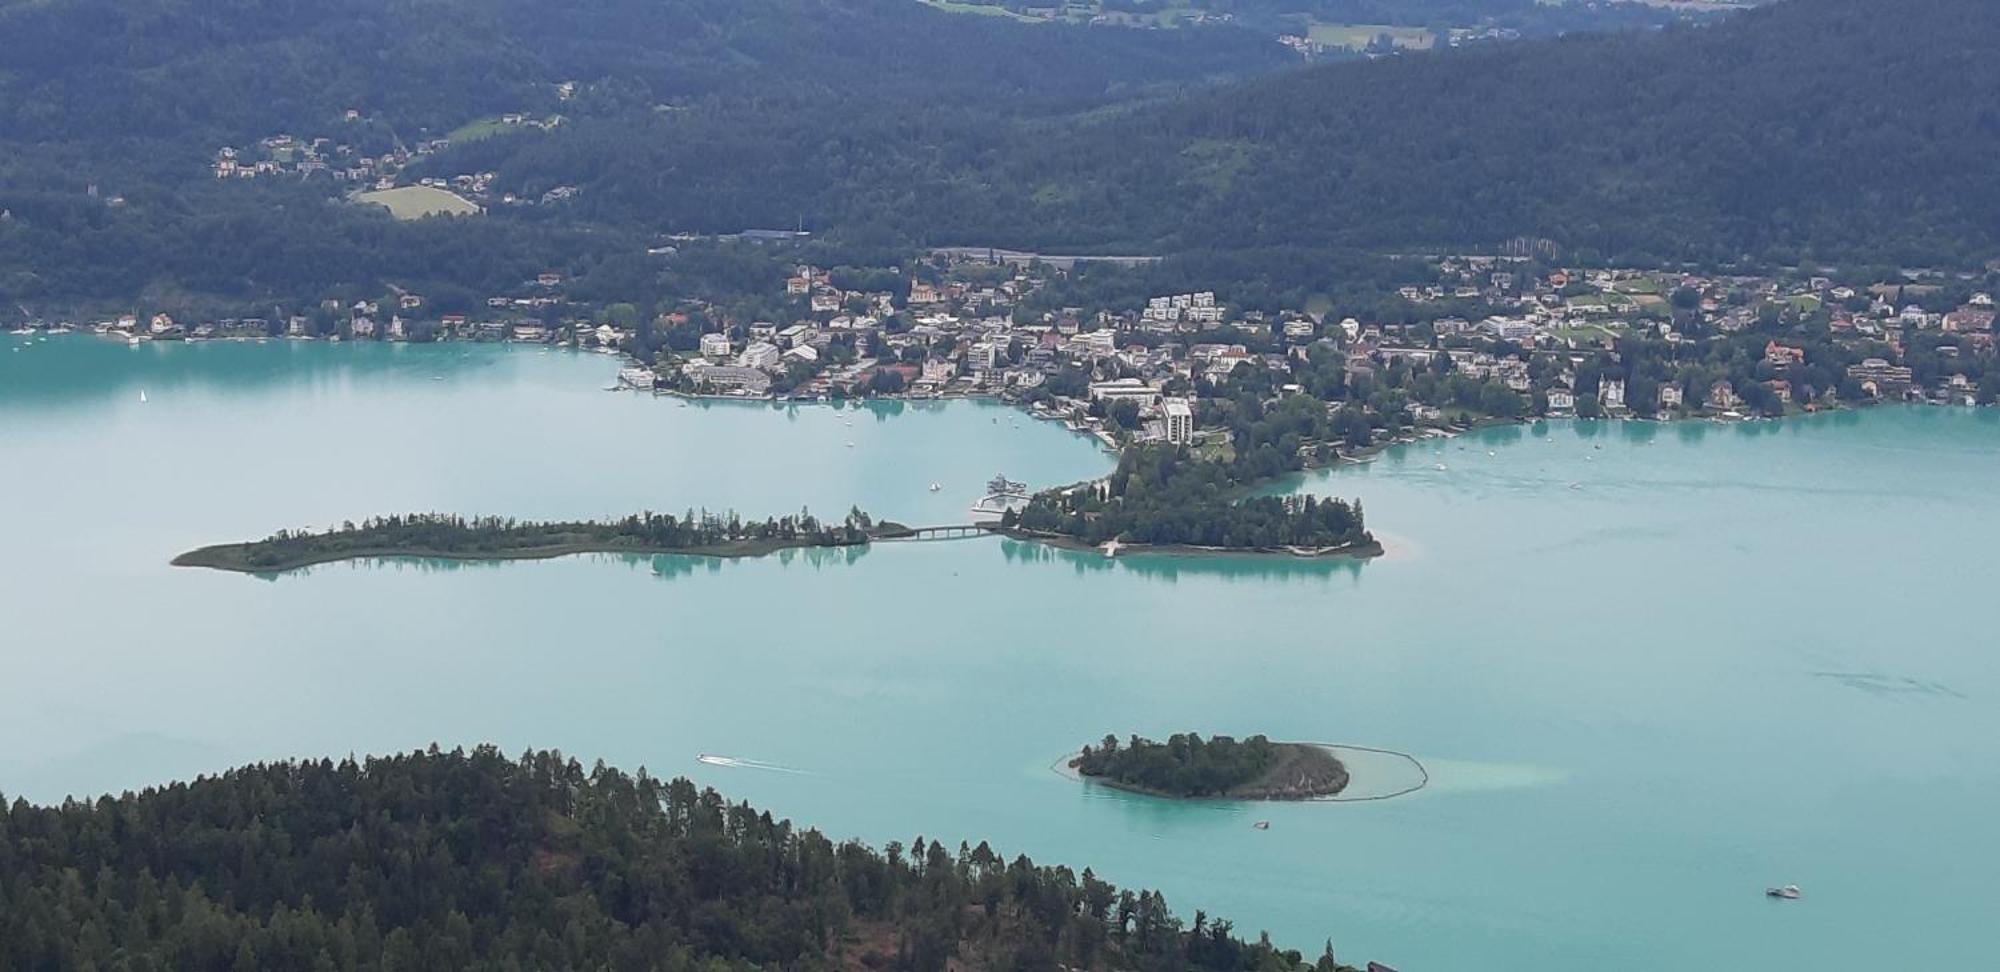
[[1789, 892], [1440, 467], [850, 443], [935, 487], [142, 396]]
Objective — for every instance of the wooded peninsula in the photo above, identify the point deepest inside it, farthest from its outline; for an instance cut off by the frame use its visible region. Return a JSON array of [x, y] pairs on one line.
[[448, 537], [471, 860], [1187, 766]]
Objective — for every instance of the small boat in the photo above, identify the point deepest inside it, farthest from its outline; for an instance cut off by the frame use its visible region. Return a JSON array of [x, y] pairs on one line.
[[1576, 485], [142, 396], [935, 487], [1789, 892], [1262, 825], [850, 443], [1440, 467]]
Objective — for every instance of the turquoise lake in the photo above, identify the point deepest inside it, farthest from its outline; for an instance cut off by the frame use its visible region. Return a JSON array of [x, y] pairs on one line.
[[1730, 657]]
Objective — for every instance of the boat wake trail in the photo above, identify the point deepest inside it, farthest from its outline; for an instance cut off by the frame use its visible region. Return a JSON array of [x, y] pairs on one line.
[[749, 764]]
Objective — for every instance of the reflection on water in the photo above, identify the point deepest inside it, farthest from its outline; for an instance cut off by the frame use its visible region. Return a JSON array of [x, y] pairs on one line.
[[665, 566], [1260, 568], [79, 369]]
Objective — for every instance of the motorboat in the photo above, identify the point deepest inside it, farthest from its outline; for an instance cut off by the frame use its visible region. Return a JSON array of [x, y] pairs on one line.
[[935, 487], [1262, 825], [1789, 892]]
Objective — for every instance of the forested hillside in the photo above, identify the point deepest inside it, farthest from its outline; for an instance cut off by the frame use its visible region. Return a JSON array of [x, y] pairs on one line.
[[1833, 130], [445, 861], [1807, 129], [699, 114]]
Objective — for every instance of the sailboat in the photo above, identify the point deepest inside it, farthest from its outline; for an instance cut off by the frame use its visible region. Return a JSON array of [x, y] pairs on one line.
[[142, 396]]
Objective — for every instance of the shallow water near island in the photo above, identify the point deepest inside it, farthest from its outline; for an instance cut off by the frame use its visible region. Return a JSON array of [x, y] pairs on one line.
[[1731, 657]]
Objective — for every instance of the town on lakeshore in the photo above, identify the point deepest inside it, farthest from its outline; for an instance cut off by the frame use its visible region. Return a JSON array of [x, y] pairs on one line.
[[1490, 338]]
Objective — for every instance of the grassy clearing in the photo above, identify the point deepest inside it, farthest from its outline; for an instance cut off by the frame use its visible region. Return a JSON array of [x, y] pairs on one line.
[[1615, 301], [979, 9], [478, 129], [1358, 36], [416, 202], [1588, 334]]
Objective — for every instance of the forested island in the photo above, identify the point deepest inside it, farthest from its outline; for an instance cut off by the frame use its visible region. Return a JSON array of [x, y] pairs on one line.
[[1163, 496], [1188, 766], [445, 536], [470, 860]]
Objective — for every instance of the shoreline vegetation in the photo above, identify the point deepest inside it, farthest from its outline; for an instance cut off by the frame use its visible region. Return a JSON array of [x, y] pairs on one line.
[[1188, 767], [447, 537], [471, 859]]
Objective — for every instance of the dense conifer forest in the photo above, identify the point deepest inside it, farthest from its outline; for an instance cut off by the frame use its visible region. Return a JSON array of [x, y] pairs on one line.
[[469, 860]]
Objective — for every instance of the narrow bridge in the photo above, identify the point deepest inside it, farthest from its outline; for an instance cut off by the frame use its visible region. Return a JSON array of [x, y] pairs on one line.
[[958, 531]]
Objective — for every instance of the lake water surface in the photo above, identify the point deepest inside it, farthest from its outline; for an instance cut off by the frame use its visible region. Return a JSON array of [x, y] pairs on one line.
[[1729, 657]]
